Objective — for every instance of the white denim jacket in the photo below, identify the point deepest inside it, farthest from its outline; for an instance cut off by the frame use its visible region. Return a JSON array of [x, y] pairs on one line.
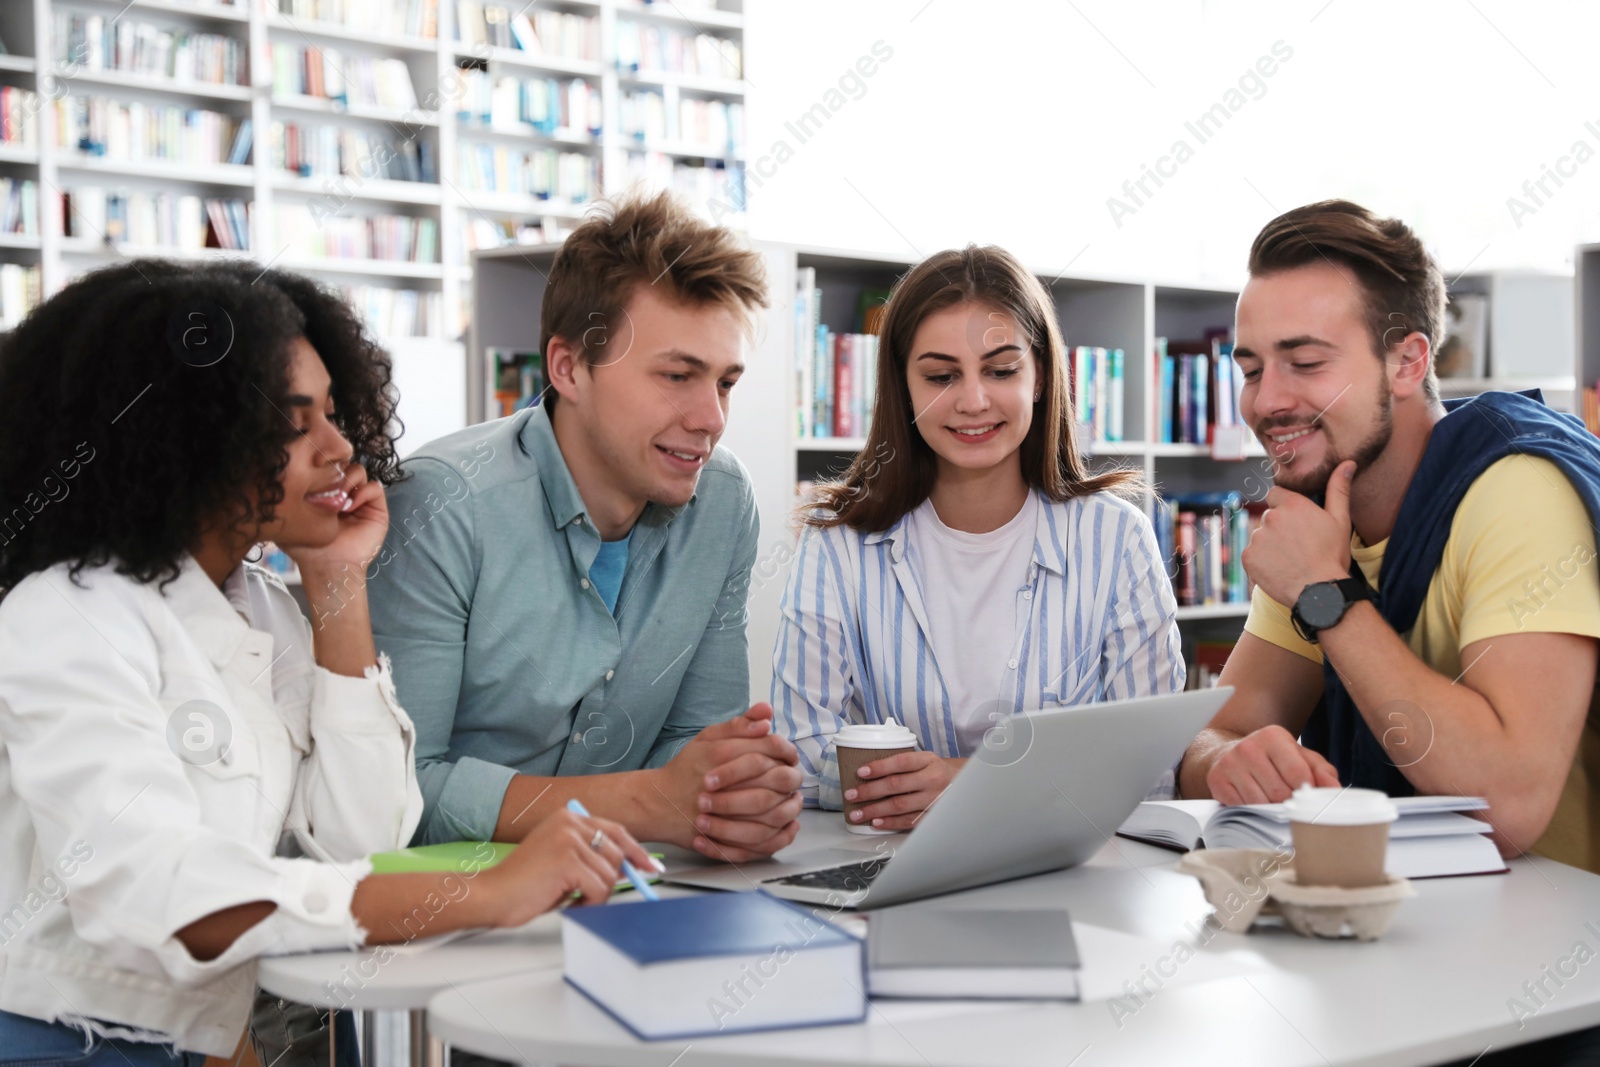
[[155, 745]]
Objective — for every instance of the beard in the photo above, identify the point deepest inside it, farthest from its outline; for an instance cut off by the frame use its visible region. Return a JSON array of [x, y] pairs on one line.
[[1365, 453]]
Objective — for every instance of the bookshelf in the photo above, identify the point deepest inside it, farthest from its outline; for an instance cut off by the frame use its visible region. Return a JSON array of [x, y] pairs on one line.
[[285, 207]]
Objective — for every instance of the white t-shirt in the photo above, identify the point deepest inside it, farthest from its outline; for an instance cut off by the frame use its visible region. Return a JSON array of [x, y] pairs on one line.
[[970, 588]]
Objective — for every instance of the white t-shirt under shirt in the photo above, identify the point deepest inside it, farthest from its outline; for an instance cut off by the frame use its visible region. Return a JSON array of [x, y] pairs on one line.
[[970, 585]]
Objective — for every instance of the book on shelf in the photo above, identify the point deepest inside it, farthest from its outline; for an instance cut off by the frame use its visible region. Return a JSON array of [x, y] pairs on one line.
[[539, 32], [391, 313], [398, 18], [398, 238], [243, 138], [21, 289], [541, 173], [19, 206], [554, 107], [322, 150], [365, 81], [1098, 389], [18, 110], [140, 132], [182, 222], [1202, 538], [715, 182], [518, 378], [1203, 668], [1198, 387], [650, 49], [1433, 838], [121, 44], [479, 232], [836, 374]]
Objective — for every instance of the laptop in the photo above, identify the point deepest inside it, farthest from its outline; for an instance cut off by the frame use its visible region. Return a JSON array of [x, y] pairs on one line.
[[1043, 792]]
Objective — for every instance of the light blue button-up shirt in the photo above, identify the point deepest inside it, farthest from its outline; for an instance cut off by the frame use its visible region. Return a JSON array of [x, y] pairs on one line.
[[504, 653]]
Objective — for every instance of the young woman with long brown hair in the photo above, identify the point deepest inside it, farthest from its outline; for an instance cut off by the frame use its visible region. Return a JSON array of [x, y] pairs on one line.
[[968, 566]]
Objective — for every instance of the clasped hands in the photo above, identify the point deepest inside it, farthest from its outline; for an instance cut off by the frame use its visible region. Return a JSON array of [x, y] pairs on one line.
[[735, 788]]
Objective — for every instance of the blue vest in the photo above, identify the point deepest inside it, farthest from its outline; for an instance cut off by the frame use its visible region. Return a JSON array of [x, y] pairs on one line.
[[1475, 433]]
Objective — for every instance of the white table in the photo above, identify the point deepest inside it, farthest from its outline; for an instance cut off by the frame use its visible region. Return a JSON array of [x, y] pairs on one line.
[[1436, 988]]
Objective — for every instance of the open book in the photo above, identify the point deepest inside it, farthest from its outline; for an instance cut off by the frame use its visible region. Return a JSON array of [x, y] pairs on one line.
[[1431, 839]]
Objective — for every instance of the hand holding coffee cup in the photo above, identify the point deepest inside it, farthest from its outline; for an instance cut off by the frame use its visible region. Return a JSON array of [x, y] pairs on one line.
[[887, 783], [1341, 836]]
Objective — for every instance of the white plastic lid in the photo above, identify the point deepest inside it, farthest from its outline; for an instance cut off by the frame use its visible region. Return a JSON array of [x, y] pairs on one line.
[[875, 735], [1328, 806]]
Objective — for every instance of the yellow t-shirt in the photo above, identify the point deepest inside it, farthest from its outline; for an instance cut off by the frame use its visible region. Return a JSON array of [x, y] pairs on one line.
[[1520, 558]]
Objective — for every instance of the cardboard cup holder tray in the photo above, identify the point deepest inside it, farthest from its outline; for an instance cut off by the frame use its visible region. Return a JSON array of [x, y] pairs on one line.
[[1247, 884]]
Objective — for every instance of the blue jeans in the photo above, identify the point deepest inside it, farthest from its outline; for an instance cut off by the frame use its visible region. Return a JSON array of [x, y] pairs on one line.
[[26, 1042]]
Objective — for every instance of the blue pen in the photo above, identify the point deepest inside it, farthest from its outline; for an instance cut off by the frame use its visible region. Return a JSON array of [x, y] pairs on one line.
[[576, 807]]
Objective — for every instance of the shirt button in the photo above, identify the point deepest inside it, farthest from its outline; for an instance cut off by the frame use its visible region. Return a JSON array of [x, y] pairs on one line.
[[1012, 664], [577, 738], [316, 901], [578, 521], [583, 583], [1027, 594], [610, 675]]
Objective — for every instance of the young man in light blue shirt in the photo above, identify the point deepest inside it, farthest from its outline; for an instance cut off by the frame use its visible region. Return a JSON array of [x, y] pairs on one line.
[[562, 592]]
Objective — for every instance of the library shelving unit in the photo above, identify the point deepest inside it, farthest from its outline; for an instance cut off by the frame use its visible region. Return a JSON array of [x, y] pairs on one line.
[[1530, 339], [481, 194], [1586, 365]]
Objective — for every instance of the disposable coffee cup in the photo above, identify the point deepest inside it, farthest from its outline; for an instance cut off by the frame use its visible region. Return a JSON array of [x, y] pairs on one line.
[[1341, 836], [861, 743]]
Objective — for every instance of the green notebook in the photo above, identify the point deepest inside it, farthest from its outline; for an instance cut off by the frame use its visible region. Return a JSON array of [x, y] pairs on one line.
[[465, 857]]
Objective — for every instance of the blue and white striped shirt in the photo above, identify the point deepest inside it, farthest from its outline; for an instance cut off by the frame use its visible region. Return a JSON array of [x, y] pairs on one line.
[[854, 643]]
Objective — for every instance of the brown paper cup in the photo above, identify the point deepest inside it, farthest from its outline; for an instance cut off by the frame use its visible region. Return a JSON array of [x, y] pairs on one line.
[[850, 763], [1347, 856]]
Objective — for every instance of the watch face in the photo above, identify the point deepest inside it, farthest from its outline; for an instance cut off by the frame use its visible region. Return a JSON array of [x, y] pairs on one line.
[[1321, 605]]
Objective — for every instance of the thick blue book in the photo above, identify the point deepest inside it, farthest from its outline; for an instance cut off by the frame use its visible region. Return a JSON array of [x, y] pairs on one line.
[[714, 964]]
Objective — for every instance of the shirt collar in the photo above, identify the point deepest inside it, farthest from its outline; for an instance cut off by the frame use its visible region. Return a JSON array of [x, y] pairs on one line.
[[211, 616], [538, 440]]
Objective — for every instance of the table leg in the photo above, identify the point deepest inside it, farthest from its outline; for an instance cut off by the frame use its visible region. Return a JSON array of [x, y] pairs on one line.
[[425, 1051]]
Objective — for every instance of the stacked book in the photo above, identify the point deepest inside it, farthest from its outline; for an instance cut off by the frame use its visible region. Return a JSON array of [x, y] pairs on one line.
[[1197, 390], [1433, 838], [542, 173], [1202, 537], [664, 50], [351, 79], [400, 18], [1097, 392], [642, 115], [401, 238], [96, 42], [559, 34], [571, 108], [142, 132], [323, 151]]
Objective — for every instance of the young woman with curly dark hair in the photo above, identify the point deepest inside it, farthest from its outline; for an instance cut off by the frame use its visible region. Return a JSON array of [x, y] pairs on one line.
[[191, 773]]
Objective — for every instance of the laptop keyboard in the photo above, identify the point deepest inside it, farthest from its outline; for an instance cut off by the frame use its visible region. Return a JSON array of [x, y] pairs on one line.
[[850, 877]]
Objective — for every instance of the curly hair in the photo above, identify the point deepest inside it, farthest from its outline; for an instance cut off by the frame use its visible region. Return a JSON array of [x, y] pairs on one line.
[[145, 403]]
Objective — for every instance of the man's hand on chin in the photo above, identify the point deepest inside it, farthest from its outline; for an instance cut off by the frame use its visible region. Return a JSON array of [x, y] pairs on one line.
[[734, 789]]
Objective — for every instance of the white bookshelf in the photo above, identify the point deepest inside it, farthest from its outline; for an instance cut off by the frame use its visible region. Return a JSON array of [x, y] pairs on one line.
[[27, 27]]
